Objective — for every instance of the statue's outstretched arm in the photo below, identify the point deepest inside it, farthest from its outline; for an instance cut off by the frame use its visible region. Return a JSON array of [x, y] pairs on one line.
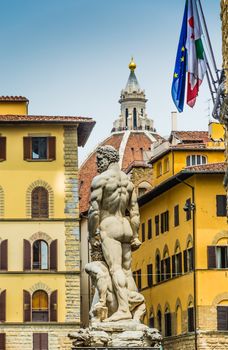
[[94, 210]]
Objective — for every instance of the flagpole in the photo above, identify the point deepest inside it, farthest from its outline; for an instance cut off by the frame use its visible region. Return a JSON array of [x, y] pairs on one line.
[[209, 41], [210, 87]]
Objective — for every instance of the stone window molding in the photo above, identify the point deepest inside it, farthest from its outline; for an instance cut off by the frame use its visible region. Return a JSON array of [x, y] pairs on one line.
[[40, 286], [190, 300], [40, 236], [165, 252], [39, 183], [167, 308], [178, 304], [177, 248], [218, 236], [219, 298], [2, 200]]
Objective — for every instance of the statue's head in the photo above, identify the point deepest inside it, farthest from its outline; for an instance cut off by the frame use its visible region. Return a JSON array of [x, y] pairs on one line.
[[105, 156]]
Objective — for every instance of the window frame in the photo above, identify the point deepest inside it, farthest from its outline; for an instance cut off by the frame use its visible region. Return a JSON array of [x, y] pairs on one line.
[[201, 157]]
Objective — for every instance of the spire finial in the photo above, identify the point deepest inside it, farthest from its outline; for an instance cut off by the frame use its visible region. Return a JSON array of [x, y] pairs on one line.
[[132, 65]]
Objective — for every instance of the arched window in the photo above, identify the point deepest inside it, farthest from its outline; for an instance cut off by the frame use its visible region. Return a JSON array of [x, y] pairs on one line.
[[159, 320], [151, 320], [177, 262], [40, 306], [191, 323], [178, 319], [196, 159], [165, 267], [158, 268], [134, 118], [168, 325], [40, 255], [166, 165], [222, 316], [159, 169], [39, 202], [188, 258], [126, 117]]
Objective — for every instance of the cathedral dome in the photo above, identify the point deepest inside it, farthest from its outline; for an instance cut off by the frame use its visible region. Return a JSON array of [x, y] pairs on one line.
[[132, 135]]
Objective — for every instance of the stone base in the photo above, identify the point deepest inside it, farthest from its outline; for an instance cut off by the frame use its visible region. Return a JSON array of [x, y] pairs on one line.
[[122, 334]]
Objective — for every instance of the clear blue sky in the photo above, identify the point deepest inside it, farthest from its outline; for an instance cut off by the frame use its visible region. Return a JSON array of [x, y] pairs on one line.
[[70, 57]]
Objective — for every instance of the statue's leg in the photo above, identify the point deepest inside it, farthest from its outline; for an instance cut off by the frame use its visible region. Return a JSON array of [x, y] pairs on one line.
[[112, 251], [126, 263]]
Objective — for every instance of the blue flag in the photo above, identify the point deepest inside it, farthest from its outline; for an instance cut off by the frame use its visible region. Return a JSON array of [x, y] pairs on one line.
[[179, 76]]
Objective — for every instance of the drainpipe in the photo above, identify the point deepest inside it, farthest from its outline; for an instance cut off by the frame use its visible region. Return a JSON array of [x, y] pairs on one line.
[[192, 208]]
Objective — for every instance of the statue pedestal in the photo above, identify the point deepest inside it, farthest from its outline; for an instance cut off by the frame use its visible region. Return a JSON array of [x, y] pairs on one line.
[[121, 334]]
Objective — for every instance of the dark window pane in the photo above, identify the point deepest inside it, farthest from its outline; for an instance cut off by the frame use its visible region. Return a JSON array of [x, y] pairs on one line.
[[221, 205], [222, 318], [149, 229], [191, 319], [39, 147], [143, 232], [157, 225], [168, 326], [149, 275], [176, 215]]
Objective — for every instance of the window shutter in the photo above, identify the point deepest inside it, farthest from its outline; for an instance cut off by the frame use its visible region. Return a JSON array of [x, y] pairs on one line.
[[2, 341], [27, 255], [157, 224], [222, 318], [2, 148], [180, 263], [44, 341], [167, 220], [211, 257], [27, 306], [27, 147], [143, 232], [162, 222], [53, 255], [53, 306], [4, 255], [185, 261], [36, 341], [150, 275], [221, 205], [149, 229], [3, 306], [173, 266], [52, 147]]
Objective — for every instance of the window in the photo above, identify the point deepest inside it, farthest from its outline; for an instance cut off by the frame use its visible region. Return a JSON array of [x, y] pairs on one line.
[[158, 269], [126, 117], [196, 160], [149, 229], [40, 306], [40, 255], [141, 191], [134, 118], [177, 263], [39, 202], [222, 318], [176, 215], [217, 257], [221, 205], [39, 148], [150, 275], [168, 326], [159, 169], [165, 221], [143, 232], [151, 320], [156, 219], [2, 148], [159, 320], [3, 306], [166, 165], [40, 341], [4, 255], [188, 260], [188, 212], [2, 341], [166, 264], [191, 326]]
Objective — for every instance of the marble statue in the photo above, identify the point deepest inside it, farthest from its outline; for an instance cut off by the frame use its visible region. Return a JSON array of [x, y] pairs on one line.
[[112, 196], [118, 308]]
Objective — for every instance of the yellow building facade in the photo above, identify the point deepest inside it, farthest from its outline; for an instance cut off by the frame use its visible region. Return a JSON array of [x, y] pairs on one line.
[[39, 227], [181, 267]]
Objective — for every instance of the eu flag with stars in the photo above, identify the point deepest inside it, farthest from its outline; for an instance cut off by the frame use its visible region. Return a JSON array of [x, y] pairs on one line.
[[179, 76]]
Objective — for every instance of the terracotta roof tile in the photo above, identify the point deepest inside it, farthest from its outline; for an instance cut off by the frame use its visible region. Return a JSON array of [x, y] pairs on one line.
[[42, 118], [201, 136], [14, 98], [211, 167]]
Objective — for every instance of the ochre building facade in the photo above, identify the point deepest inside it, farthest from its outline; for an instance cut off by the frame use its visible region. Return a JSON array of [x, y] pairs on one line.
[[181, 267], [39, 227]]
